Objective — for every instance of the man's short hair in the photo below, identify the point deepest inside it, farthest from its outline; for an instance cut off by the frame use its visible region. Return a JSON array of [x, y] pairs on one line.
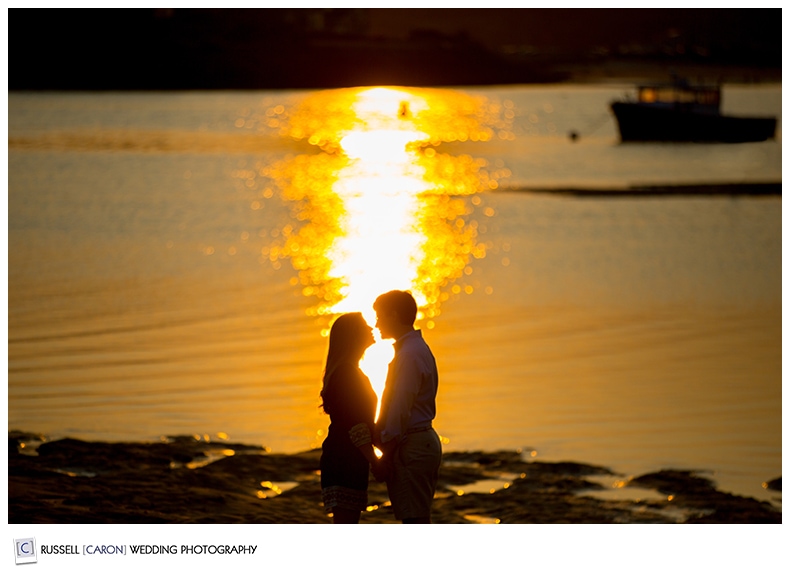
[[401, 302]]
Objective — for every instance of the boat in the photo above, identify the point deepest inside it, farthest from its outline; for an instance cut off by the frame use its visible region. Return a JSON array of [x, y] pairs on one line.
[[680, 112]]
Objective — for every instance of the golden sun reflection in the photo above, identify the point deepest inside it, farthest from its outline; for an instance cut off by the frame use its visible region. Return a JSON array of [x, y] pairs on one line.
[[379, 207]]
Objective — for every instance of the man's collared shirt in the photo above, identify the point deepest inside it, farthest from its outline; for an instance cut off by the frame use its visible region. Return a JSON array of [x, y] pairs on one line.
[[409, 398]]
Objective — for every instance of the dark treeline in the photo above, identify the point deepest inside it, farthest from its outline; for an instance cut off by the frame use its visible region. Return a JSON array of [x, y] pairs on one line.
[[171, 49]]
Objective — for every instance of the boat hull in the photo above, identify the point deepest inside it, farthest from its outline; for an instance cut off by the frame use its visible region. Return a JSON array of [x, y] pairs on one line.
[[641, 122]]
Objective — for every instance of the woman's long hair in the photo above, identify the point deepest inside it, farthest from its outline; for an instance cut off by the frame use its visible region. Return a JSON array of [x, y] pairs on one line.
[[347, 344]]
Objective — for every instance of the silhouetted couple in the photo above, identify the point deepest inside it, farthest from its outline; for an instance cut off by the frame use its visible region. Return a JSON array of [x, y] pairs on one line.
[[411, 450]]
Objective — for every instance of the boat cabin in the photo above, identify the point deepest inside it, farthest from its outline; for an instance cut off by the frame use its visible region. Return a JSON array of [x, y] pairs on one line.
[[680, 95]]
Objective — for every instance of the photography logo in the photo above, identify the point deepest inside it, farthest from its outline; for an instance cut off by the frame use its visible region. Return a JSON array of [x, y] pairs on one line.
[[25, 550]]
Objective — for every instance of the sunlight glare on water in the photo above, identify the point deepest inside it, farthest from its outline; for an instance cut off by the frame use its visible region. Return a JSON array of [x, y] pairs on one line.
[[380, 207]]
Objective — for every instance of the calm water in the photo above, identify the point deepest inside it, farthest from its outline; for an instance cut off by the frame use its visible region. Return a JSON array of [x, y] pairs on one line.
[[173, 259]]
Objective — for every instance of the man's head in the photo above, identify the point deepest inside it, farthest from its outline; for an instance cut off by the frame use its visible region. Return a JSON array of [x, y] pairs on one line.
[[395, 313]]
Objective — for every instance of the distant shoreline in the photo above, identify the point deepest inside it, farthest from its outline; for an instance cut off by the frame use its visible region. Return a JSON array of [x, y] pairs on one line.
[[344, 73], [324, 48], [645, 71]]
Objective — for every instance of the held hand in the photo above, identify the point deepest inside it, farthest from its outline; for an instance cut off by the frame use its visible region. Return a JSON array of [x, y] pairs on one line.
[[381, 469]]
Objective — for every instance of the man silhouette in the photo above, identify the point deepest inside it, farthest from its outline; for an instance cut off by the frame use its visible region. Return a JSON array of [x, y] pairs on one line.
[[404, 433]]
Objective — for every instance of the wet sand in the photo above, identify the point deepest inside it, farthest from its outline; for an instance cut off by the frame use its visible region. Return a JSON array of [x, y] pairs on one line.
[[706, 190], [194, 480]]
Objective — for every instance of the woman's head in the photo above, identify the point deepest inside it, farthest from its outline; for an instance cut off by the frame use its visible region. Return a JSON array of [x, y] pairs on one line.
[[350, 336]]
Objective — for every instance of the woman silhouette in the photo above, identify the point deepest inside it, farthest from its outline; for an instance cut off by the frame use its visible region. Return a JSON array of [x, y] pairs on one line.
[[350, 402]]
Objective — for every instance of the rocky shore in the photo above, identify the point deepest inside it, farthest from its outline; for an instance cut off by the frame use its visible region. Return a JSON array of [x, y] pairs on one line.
[[195, 480]]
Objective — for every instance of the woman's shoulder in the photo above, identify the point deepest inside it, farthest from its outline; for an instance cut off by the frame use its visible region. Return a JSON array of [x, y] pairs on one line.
[[348, 372]]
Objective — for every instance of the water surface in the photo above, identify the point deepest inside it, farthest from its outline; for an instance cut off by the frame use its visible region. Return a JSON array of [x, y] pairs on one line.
[[154, 288]]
